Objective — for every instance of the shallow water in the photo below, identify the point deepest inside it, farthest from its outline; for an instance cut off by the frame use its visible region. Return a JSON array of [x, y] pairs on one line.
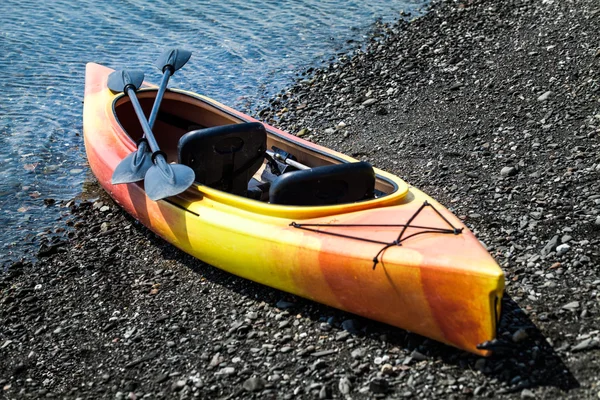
[[243, 52]]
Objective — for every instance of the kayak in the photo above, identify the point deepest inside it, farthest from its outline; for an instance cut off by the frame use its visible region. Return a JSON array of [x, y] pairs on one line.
[[287, 213]]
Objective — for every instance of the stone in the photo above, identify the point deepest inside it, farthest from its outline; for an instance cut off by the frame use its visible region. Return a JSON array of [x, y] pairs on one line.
[[562, 249], [550, 246], [254, 384], [544, 96], [302, 132], [520, 335], [527, 394], [369, 102], [415, 355], [586, 344], [508, 171], [284, 305], [379, 386], [351, 325], [344, 385], [572, 306]]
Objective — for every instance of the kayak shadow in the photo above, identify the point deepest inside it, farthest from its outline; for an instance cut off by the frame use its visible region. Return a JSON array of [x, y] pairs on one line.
[[523, 357]]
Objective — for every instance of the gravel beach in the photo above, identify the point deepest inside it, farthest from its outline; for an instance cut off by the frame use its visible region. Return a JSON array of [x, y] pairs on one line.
[[492, 108]]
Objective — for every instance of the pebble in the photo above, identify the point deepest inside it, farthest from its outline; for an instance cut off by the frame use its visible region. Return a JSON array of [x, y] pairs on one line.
[[572, 306], [587, 344], [550, 246], [369, 102], [544, 96], [520, 335], [344, 385], [562, 249], [379, 386], [509, 171], [177, 386], [527, 394], [254, 384]]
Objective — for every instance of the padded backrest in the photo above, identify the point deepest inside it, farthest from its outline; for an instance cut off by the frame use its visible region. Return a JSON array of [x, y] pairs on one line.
[[225, 157], [332, 184]]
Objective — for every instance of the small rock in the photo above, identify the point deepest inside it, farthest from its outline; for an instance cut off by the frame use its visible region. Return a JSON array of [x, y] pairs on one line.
[[415, 355], [345, 386], [562, 249], [587, 344], [369, 102], [254, 384], [508, 171], [178, 385], [572, 306], [520, 335], [325, 327], [545, 96], [302, 132], [527, 394], [358, 353], [252, 315], [324, 392], [284, 305], [379, 386], [226, 371], [351, 325], [550, 246], [387, 369]]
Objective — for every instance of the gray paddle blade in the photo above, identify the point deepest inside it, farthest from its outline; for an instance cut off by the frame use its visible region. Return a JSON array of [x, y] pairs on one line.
[[174, 58], [119, 80], [164, 180], [133, 168]]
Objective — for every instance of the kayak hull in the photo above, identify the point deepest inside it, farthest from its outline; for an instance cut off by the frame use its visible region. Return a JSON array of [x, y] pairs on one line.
[[444, 286]]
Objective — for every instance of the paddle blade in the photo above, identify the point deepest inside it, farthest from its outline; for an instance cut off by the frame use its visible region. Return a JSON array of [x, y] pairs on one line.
[[174, 58], [133, 168], [164, 180], [119, 80]]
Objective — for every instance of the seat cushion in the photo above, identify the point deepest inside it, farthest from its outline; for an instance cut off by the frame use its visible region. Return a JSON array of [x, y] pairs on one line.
[[328, 185], [225, 157]]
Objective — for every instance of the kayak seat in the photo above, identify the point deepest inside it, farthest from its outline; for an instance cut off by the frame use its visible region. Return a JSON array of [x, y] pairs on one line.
[[225, 157], [328, 185]]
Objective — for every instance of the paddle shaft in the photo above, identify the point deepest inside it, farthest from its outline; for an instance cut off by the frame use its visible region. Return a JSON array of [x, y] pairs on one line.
[[145, 126], [159, 96]]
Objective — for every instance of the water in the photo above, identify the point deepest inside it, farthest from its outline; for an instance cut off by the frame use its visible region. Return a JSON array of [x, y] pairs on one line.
[[243, 52]]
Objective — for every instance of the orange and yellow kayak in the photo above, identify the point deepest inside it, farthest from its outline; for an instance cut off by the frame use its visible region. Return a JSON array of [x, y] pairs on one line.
[[400, 257]]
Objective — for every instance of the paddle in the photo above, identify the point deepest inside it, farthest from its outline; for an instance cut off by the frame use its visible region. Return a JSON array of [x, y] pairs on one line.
[[162, 179], [133, 168]]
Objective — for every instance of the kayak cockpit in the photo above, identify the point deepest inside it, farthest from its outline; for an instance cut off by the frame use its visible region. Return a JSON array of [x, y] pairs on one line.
[[240, 157]]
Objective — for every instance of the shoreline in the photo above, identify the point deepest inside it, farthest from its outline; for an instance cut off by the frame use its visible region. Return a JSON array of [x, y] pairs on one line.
[[492, 109]]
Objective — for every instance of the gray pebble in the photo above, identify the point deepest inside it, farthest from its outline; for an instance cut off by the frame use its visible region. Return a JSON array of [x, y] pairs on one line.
[[545, 96], [254, 384], [509, 171]]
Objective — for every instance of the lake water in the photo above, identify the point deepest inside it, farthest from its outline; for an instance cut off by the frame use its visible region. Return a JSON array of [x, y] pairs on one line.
[[243, 52]]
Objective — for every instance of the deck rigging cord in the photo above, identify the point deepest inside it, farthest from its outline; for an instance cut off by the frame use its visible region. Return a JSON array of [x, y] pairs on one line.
[[398, 242]]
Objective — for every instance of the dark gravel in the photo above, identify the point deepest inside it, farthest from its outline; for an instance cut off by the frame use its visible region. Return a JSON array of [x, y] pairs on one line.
[[493, 108]]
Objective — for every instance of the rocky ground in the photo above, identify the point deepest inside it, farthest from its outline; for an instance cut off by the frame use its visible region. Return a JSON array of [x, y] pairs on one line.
[[493, 108]]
